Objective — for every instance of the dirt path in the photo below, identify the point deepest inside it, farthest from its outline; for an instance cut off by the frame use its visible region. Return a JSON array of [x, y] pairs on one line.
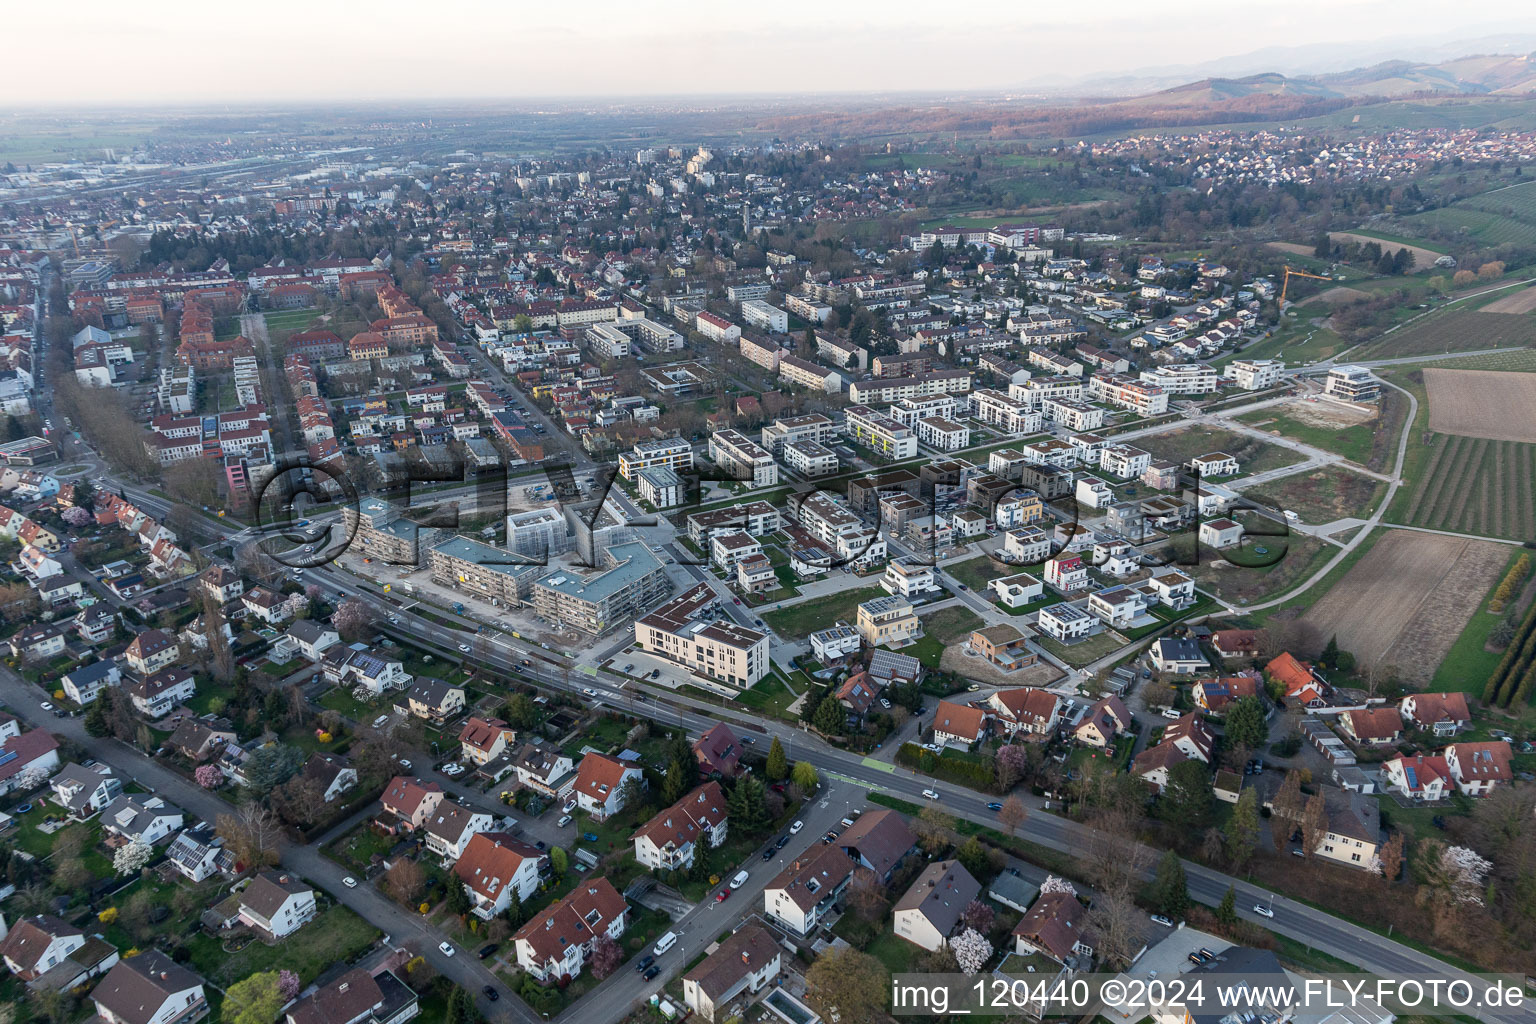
[[1423, 259]]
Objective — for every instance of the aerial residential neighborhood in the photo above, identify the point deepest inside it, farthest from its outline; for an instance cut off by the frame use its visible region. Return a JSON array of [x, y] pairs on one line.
[[510, 556]]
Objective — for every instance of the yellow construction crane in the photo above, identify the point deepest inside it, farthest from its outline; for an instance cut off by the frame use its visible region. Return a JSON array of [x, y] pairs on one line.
[[1289, 273]]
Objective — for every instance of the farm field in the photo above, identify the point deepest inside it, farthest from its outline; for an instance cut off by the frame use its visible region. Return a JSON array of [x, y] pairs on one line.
[[1515, 360], [1521, 301], [1476, 485], [1253, 455], [1482, 403], [1405, 603], [1321, 497], [1335, 428], [1503, 216], [1454, 330]]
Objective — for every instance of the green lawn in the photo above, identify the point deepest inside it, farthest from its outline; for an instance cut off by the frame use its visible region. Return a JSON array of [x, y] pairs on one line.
[[341, 699], [1092, 649], [976, 573], [334, 935], [805, 618], [896, 953], [357, 848], [770, 695]]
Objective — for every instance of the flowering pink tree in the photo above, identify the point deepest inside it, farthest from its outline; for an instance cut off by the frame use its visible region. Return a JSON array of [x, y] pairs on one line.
[[606, 957], [287, 984], [76, 516], [208, 776], [978, 916]]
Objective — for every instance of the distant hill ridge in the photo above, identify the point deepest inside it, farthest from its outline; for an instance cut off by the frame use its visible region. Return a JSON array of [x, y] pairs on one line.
[[1485, 75]]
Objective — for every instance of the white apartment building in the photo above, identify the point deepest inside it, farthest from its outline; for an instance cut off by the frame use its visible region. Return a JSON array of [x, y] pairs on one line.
[[807, 374], [906, 578], [1037, 389], [996, 409], [810, 459], [660, 486], [888, 390], [1254, 374], [764, 353], [909, 411], [728, 549], [717, 328], [878, 431], [1026, 546], [945, 435], [1184, 378], [1065, 622], [1094, 493], [672, 453], [684, 632], [1124, 461], [810, 427], [1052, 452], [1138, 396], [1075, 416], [761, 315], [1353, 384], [743, 458]]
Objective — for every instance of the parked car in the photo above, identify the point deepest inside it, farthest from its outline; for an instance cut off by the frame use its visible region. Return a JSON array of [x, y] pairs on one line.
[[349, 882], [487, 949], [643, 963], [590, 837], [796, 827], [447, 948], [570, 805], [1160, 919], [565, 819], [722, 895], [491, 993], [651, 972]]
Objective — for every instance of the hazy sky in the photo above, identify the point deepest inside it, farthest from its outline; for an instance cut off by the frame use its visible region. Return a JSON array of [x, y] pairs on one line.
[[175, 51]]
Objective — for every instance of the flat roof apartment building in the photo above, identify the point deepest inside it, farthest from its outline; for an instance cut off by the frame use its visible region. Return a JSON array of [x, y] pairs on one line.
[[1138, 396], [1254, 374], [382, 532], [684, 632], [811, 427], [661, 453], [877, 431], [996, 409], [633, 579], [1353, 384], [493, 573], [743, 458]]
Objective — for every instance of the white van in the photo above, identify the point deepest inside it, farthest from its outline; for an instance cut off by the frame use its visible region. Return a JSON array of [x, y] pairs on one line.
[[740, 880], [664, 943]]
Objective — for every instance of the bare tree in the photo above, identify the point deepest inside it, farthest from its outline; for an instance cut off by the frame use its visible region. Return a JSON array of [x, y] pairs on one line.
[[1013, 815], [405, 880], [1314, 824], [1114, 921], [253, 833], [221, 660], [1115, 860]]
